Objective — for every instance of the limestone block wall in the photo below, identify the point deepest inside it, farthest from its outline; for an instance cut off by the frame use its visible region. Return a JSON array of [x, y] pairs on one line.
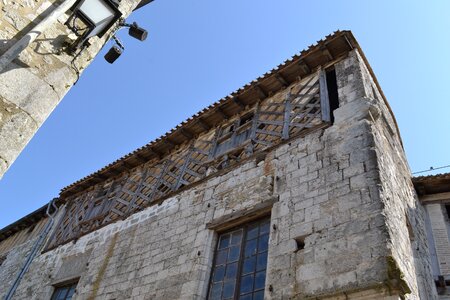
[[34, 83], [165, 252], [407, 250], [338, 200]]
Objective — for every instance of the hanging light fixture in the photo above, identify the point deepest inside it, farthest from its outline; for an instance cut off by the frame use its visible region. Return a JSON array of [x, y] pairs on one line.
[[92, 18], [115, 51]]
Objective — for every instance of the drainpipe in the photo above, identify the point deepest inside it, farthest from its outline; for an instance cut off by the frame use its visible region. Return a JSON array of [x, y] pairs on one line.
[[37, 245], [31, 35]]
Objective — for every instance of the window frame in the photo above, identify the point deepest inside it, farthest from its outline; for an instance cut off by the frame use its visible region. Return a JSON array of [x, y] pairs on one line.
[[240, 262], [65, 285]]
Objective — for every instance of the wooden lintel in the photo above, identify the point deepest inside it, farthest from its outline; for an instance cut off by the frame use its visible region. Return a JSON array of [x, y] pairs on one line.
[[281, 79], [203, 124], [435, 197], [238, 101], [223, 113], [187, 133], [261, 93]]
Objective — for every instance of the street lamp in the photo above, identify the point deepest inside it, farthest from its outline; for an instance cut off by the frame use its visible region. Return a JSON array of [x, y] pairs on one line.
[[117, 49], [92, 18]]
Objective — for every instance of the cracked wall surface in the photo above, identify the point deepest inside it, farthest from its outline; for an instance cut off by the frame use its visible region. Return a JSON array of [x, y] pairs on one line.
[[35, 82]]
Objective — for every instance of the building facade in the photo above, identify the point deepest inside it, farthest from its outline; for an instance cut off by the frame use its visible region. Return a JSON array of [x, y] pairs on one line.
[[295, 186]]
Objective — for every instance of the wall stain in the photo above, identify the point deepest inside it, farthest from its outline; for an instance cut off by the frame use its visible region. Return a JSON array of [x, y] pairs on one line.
[[102, 268]]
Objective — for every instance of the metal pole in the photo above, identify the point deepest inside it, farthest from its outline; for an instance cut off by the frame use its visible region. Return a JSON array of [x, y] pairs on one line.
[[29, 38], [35, 248]]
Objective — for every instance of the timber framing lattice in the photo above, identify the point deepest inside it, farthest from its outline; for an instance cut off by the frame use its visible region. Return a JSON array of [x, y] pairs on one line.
[[302, 105]]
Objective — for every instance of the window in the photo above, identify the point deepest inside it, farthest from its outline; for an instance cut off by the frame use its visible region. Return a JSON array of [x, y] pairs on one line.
[[332, 91], [240, 262], [234, 135], [64, 292]]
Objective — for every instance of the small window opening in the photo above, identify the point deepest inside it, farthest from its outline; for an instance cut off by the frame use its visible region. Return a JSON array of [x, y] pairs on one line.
[[332, 91], [227, 130], [102, 193], [300, 241], [245, 119], [163, 188]]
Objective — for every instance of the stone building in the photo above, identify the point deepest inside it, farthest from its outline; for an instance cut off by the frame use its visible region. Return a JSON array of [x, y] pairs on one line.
[[434, 194], [295, 186], [42, 55]]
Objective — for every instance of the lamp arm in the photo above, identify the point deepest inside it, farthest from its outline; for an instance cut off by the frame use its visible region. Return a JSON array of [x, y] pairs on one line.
[[119, 43]]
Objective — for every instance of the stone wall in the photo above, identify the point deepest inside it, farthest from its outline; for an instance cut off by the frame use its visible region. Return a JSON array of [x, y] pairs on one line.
[[339, 199], [34, 83], [439, 229], [408, 254]]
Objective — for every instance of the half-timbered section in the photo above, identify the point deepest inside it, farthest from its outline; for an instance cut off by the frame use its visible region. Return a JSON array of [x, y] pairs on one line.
[[293, 187], [303, 105]]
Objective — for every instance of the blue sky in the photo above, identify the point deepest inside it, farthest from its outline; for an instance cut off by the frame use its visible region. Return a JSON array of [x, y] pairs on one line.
[[199, 51]]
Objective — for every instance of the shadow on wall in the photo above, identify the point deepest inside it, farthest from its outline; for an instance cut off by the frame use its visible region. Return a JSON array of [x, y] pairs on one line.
[[5, 44]]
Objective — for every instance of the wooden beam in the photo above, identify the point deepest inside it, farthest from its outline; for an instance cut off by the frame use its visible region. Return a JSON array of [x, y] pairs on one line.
[[326, 52], [203, 124], [101, 176], [169, 141], [154, 150], [281, 80], [304, 66], [140, 157], [126, 165], [238, 101], [287, 116], [261, 93], [435, 197], [187, 133], [223, 113]]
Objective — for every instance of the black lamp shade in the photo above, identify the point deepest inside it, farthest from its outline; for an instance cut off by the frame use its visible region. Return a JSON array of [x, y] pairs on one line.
[[113, 54], [138, 32]]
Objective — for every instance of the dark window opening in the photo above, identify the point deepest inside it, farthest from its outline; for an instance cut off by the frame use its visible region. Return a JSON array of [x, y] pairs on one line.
[[300, 241], [240, 262], [246, 119], [102, 193], [332, 91], [64, 292], [163, 188], [226, 130], [447, 210]]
